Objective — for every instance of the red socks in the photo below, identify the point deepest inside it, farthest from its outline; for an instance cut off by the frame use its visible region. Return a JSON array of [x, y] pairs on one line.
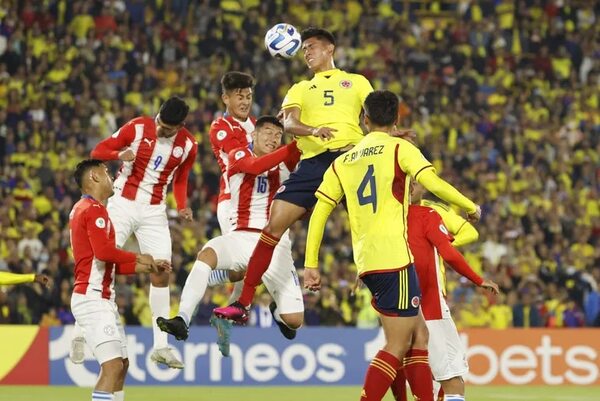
[[418, 373], [258, 265], [399, 386], [380, 375]]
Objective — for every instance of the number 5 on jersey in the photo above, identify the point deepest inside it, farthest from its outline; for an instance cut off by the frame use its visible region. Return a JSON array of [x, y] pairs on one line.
[[368, 180]]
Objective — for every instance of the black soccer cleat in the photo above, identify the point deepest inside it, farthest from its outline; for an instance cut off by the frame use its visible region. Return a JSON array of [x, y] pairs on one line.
[[176, 327], [288, 333]]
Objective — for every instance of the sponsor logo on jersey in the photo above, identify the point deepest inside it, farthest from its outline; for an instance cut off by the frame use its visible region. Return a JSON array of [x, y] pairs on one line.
[[148, 141], [346, 84], [221, 135], [177, 151], [100, 222]]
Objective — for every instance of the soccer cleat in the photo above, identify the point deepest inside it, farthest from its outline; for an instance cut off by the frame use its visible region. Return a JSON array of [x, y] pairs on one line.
[[236, 312], [176, 327], [77, 351], [165, 356], [288, 333], [223, 333]]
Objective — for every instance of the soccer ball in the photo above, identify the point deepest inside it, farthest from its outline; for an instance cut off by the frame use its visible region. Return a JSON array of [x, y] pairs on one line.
[[283, 40]]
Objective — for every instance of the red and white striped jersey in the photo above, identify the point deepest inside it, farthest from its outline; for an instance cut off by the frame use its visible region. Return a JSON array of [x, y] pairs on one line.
[[97, 258], [429, 238], [158, 161], [254, 181], [227, 134]]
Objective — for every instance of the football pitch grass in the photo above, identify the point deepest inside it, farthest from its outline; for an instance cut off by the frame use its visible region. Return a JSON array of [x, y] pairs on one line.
[[303, 393]]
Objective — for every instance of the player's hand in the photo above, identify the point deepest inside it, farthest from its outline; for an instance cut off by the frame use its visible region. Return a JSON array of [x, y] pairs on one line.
[[324, 133], [127, 155], [475, 216], [186, 214], [144, 264], [312, 279], [42, 279], [405, 133], [490, 285], [161, 265]]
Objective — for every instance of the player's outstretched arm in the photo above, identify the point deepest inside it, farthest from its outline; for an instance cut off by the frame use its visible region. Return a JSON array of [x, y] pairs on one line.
[[443, 190], [115, 147], [293, 125], [180, 184], [242, 161], [7, 278], [316, 227], [465, 235]]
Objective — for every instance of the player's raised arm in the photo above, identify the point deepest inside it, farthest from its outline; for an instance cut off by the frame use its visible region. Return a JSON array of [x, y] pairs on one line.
[[7, 278], [412, 161], [292, 112], [242, 161], [180, 183], [115, 147]]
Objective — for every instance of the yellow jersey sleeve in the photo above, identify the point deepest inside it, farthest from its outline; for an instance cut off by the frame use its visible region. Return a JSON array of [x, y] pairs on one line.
[[293, 98], [12, 278], [411, 160], [364, 87], [463, 232], [330, 190]]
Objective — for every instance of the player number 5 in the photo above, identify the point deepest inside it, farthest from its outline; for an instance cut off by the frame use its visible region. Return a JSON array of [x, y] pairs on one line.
[[368, 180], [328, 95]]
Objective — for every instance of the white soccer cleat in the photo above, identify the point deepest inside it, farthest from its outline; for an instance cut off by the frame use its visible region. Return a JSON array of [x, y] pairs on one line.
[[77, 351], [165, 356]]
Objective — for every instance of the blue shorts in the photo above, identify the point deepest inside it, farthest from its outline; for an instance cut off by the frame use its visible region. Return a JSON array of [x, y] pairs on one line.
[[395, 293], [302, 184]]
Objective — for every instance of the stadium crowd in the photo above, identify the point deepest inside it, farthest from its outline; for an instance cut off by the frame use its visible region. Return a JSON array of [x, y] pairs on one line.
[[504, 97]]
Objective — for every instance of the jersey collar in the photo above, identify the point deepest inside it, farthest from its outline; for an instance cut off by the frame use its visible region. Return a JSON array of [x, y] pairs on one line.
[[328, 72]]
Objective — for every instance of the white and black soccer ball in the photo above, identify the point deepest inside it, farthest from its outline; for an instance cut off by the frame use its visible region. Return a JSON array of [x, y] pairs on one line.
[[283, 40]]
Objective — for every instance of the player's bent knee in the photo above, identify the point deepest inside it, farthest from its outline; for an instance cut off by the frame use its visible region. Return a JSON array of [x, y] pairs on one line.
[[235, 276], [293, 320], [110, 352], [208, 256]]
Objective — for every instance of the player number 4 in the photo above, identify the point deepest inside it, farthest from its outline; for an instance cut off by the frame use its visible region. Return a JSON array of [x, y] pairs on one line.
[[368, 180]]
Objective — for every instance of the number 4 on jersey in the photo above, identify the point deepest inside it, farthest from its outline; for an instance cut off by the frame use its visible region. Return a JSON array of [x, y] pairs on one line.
[[368, 180]]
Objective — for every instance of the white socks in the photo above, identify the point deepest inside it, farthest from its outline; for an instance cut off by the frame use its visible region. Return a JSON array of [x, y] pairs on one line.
[[102, 396], [160, 306], [218, 277], [454, 397], [119, 395], [193, 290]]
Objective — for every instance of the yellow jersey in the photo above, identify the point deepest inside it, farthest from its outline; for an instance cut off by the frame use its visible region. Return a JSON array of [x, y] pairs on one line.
[[331, 99], [7, 278], [375, 178], [463, 232]]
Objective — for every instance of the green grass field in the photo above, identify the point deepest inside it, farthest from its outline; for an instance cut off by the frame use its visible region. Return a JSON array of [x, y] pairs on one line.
[[307, 393]]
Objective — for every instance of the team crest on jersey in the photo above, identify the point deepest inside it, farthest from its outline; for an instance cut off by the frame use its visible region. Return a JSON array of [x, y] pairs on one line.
[[281, 189], [346, 84], [221, 135], [239, 154], [443, 229], [177, 151], [100, 222], [415, 301]]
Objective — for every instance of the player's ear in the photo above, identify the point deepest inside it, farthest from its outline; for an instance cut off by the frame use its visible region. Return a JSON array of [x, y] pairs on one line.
[[367, 121], [254, 134], [225, 98]]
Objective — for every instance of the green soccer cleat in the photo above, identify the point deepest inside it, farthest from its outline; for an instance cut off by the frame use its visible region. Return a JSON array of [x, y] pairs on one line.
[[223, 327]]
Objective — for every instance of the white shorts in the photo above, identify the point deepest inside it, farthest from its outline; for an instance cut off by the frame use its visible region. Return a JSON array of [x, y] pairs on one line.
[[149, 223], [224, 216], [233, 253], [100, 323], [447, 356]]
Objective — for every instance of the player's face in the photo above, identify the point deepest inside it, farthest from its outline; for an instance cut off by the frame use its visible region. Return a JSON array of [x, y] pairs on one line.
[[238, 102], [267, 139], [317, 53], [165, 130]]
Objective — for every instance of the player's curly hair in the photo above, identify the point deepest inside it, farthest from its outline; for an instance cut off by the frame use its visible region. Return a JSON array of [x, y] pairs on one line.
[[173, 111], [318, 33], [382, 108], [83, 167], [236, 80]]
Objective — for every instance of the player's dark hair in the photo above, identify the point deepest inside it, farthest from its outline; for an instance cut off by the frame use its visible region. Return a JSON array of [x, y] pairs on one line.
[[262, 120], [318, 33], [82, 168], [236, 80], [173, 111], [382, 108]]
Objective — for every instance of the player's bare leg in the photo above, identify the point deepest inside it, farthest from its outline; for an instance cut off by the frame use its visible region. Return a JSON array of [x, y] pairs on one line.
[[283, 215], [119, 394], [111, 373], [416, 364], [454, 389], [382, 370], [160, 306]]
